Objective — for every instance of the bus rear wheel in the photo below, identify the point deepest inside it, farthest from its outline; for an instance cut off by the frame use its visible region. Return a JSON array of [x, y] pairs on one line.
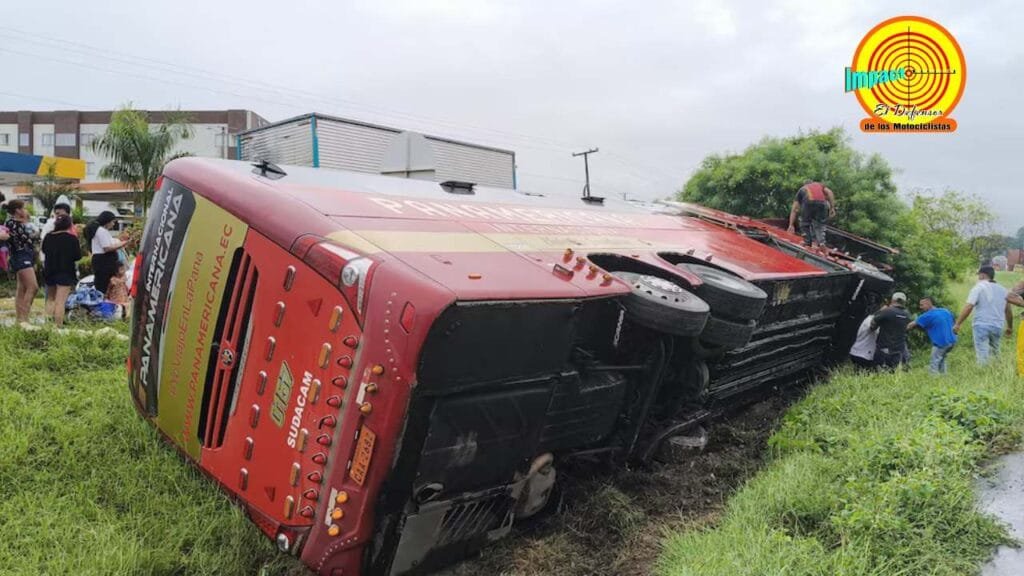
[[664, 306]]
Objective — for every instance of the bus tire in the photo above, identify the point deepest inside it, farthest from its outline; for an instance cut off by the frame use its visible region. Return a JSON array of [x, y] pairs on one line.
[[664, 306], [728, 295], [727, 333]]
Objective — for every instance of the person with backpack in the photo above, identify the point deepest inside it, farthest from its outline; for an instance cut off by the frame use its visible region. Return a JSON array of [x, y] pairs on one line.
[[816, 204], [23, 257]]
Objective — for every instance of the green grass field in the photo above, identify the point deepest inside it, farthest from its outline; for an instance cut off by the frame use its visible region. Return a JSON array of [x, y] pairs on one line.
[[87, 488], [870, 475]]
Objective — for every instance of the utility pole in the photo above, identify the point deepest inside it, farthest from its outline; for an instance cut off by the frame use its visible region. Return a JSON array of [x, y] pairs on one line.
[[586, 170]]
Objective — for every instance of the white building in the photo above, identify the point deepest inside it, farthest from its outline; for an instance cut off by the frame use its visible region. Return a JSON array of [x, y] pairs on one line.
[[342, 144], [69, 134]]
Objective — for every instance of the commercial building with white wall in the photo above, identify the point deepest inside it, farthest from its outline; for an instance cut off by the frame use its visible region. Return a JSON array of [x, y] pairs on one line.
[[70, 133], [324, 141]]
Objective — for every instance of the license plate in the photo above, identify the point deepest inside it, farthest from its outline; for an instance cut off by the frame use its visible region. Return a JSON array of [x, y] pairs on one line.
[[364, 452]]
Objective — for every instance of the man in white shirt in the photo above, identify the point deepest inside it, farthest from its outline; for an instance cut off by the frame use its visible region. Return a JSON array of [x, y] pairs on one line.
[[988, 301], [862, 353]]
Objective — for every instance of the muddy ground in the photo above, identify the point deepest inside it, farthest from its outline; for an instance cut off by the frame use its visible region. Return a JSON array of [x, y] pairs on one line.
[[612, 520]]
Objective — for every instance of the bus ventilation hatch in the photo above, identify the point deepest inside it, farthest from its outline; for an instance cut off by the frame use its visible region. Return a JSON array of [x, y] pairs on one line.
[[227, 355], [475, 517]]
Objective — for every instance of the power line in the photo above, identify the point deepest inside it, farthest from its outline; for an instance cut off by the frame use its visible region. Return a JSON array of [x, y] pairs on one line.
[[289, 94], [549, 177], [224, 78], [43, 98], [207, 75]]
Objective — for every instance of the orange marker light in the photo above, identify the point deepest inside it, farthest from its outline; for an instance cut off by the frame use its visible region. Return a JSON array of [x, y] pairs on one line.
[[377, 370], [289, 507], [342, 497], [335, 321], [325, 355], [333, 530], [366, 408], [475, 276], [337, 514]]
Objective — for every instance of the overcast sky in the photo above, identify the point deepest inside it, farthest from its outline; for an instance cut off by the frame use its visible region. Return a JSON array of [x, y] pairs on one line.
[[656, 86]]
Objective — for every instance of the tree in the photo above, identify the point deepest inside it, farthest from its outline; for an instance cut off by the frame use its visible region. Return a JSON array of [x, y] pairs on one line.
[[50, 188], [932, 232], [138, 151], [991, 245], [763, 180]]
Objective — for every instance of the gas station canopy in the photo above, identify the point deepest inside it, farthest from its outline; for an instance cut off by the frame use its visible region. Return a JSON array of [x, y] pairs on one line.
[[18, 169]]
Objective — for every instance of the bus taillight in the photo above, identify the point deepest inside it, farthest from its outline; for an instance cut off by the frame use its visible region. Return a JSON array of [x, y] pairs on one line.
[[349, 271]]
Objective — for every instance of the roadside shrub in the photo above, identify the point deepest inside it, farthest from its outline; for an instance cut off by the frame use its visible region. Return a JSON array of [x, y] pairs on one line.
[[934, 444], [872, 474], [983, 416]]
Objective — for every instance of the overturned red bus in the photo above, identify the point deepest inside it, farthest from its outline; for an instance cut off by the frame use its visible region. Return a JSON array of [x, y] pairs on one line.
[[385, 373]]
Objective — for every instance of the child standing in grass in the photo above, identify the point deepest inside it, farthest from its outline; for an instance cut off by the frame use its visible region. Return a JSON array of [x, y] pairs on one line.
[[117, 291]]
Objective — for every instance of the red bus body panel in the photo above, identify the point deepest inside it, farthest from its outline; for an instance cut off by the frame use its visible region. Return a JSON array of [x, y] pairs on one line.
[[427, 253]]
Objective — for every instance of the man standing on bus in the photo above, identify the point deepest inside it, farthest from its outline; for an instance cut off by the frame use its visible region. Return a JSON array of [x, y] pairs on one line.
[[816, 204]]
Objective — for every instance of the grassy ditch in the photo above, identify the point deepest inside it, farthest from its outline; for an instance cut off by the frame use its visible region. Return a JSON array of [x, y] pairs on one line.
[[87, 488], [869, 474]]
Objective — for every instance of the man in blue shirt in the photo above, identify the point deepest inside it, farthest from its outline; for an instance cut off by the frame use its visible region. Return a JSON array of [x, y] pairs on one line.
[[938, 323]]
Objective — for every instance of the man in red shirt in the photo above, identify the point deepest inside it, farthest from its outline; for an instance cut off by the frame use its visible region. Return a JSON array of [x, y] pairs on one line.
[[816, 204]]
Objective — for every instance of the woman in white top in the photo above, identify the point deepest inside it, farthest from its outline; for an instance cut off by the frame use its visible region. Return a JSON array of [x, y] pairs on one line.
[[104, 249]]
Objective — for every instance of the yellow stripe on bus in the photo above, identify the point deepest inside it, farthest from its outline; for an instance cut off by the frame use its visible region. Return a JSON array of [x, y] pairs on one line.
[[374, 241]]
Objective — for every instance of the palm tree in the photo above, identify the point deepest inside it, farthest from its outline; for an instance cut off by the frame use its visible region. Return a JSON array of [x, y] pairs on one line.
[[138, 151], [50, 188]]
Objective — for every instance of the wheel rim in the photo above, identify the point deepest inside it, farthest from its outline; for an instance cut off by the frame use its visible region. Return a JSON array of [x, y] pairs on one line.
[[659, 283]]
